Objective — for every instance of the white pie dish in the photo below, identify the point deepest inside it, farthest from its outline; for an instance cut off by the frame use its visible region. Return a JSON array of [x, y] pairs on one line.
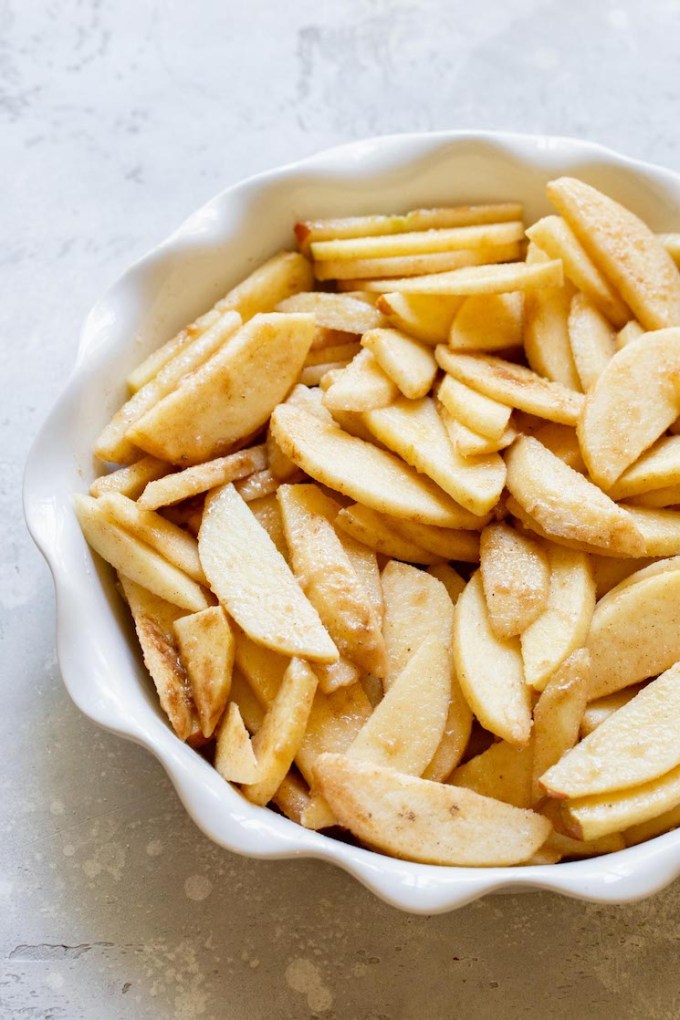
[[180, 278]]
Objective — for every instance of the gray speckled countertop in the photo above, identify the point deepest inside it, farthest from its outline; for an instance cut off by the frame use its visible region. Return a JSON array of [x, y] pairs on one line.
[[118, 119]]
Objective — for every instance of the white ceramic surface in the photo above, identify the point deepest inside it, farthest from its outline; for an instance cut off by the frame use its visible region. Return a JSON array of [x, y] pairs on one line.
[[212, 250]]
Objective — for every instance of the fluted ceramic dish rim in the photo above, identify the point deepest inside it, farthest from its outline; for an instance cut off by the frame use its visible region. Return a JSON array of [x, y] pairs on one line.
[[99, 663]]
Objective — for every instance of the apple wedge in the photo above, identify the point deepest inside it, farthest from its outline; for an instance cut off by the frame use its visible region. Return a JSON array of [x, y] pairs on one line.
[[479, 413], [558, 715], [362, 385], [279, 738], [484, 279], [556, 238], [427, 317], [566, 504], [635, 745], [418, 242], [132, 479], [409, 364], [136, 559], [488, 322], [592, 340], [230, 396], [516, 579], [234, 756], [327, 576], [376, 531], [563, 625], [154, 618], [193, 481], [254, 583], [206, 646], [450, 578], [334, 311], [631, 257], [357, 469], [489, 669], [513, 385], [414, 430], [502, 772], [633, 402], [657, 468], [593, 817], [419, 820], [546, 329], [635, 630], [597, 711]]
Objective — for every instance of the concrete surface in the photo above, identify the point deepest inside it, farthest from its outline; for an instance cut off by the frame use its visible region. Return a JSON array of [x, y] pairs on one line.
[[118, 119]]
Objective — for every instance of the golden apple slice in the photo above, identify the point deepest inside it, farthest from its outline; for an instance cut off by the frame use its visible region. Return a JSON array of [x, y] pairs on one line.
[[446, 543], [473, 409], [375, 225], [632, 403], [653, 827], [154, 618], [230, 396], [609, 571], [565, 503], [427, 317], [485, 279], [130, 480], [279, 738], [558, 715], [660, 529], [566, 846], [193, 481], [502, 772], [136, 559], [416, 606], [489, 669], [488, 322], [338, 674], [472, 444], [357, 469], [419, 820], [635, 630], [206, 645], [546, 329], [327, 576], [513, 385], [362, 385], [253, 581], [657, 468], [635, 745], [563, 442], [631, 331], [114, 444], [234, 756], [409, 364], [516, 579], [377, 532], [597, 711], [351, 274], [282, 275], [563, 625], [591, 339], [266, 511], [419, 242], [556, 238], [334, 311], [450, 578], [593, 817], [657, 499], [341, 353], [624, 248], [414, 430], [172, 542]]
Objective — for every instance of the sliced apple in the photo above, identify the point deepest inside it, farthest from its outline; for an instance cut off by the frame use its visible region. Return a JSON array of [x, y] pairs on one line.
[[423, 821], [229, 397], [136, 559], [206, 645], [376, 531], [597, 711], [565, 503], [154, 618], [635, 631], [657, 468], [513, 385], [488, 322], [234, 756], [489, 669], [546, 329], [193, 481], [450, 578], [593, 817], [254, 583], [558, 715], [563, 625], [132, 479], [632, 403], [334, 311], [427, 317], [409, 364], [484, 279], [502, 772], [592, 340], [327, 576], [516, 579], [414, 430], [625, 249], [362, 385], [373, 477], [279, 738]]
